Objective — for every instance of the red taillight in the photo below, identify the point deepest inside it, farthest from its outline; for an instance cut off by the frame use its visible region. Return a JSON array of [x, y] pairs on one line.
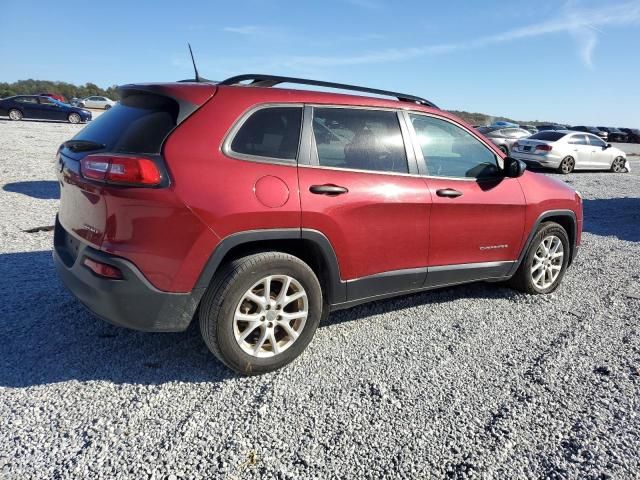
[[122, 170], [103, 269], [544, 147]]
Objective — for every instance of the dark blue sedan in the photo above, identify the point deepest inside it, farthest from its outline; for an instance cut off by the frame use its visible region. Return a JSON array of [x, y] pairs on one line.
[[42, 108]]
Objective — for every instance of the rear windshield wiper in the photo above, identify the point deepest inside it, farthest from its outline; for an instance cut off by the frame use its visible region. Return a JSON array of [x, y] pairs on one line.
[[83, 145]]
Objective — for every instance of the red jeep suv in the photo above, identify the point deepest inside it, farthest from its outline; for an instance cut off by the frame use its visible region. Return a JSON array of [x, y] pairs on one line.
[[259, 210]]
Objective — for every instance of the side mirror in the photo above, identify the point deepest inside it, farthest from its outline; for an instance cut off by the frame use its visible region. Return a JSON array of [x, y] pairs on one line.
[[514, 168], [608, 145]]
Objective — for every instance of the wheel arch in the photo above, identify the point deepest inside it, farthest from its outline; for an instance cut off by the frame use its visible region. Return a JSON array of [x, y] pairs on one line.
[[310, 246], [566, 219]]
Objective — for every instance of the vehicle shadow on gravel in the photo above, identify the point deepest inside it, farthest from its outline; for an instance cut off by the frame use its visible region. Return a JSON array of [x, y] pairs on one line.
[[617, 217], [41, 189], [48, 337]]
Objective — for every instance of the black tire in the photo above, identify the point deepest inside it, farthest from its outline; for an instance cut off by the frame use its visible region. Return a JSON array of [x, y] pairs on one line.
[[522, 280], [567, 165], [107, 106], [216, 314], [618, 165], [74, 118], [15, 114]]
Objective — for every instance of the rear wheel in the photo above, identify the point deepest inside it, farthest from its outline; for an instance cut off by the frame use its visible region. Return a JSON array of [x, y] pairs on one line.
[[107, 106], [261, 312], [504, 149], [567, 165], [74, 118], [546, 261], [15, 114], [618, 165]]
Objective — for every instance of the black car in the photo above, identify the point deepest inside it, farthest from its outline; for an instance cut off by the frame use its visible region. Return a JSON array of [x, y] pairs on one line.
[[615, 134], [633, 134], [593, 130], [43, 108], [551, 127]]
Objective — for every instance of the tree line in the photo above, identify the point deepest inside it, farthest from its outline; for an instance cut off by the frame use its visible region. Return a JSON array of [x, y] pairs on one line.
[[67, 90]]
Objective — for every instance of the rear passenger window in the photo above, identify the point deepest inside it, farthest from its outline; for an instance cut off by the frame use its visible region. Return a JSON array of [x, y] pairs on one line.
[[272, 132], [359, 139], [578, 140], [450, 151]]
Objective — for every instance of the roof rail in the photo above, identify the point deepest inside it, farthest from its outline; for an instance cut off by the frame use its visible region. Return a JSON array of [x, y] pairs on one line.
[[259, 80]]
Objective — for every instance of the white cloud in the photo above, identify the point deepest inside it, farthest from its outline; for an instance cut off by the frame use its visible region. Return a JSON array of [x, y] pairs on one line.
[[580, 23], [246, 30]]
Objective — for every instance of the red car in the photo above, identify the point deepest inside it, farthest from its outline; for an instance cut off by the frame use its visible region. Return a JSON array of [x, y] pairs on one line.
[[55, 96], [259, 210]]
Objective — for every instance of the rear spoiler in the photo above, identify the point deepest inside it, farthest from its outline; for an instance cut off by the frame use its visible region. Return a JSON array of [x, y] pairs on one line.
[[188, 96]]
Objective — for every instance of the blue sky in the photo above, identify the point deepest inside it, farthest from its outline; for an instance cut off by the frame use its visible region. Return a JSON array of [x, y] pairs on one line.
[[569, 61]]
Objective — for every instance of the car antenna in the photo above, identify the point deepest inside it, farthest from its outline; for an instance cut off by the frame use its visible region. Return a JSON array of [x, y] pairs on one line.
[[195, 69]]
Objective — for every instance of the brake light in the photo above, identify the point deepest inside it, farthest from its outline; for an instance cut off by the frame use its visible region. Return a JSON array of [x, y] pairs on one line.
[[544, 147], [121, 170], [103, 269]]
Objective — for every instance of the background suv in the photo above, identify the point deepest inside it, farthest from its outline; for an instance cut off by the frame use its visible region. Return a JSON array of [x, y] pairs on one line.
[[259, 210]]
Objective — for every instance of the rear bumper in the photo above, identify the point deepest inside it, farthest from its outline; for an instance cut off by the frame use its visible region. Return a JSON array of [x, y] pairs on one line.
[[546, 161], [131, 302]]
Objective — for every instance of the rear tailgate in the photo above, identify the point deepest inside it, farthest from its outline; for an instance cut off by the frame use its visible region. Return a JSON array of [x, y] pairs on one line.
[[139, 124]]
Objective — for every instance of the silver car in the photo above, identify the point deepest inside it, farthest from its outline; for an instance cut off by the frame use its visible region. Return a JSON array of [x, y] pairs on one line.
[[504, 137], [96, 102], [566, 151]]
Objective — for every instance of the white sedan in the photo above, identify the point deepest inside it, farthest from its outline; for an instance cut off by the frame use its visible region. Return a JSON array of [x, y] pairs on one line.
[[96, 102], [567, 151]]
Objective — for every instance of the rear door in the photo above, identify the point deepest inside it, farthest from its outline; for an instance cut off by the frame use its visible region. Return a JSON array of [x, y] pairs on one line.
[[29, 106], [477, 216], [359, 187], [581, 150], [50, 110]]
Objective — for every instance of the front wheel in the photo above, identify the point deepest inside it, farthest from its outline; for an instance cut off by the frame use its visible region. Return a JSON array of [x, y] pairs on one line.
[[15, 114], [74, 118], [567, 165], [107, 106], [546, 261], [618, 165], [261, 311]]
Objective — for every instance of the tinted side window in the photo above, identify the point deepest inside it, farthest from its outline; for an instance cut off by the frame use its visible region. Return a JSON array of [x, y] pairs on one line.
[[272, 132], [595, 141], [27, 100], [450, 151], [359, 139], [548, 135]]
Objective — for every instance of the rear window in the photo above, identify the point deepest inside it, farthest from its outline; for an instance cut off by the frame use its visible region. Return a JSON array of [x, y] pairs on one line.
[[138, 124], [548, 135]]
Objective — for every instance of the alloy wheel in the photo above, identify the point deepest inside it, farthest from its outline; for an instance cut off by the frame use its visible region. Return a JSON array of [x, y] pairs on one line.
[[547, 262], [567, 165], [15, 115], [74, 118], [618, 165], [270, 316]]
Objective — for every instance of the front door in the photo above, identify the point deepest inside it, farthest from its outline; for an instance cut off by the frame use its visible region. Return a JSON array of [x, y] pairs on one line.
[[478, 214], [358, 191], [600, 155]]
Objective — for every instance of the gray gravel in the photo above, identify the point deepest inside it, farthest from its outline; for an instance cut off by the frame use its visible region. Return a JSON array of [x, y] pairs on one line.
[[473, 381]]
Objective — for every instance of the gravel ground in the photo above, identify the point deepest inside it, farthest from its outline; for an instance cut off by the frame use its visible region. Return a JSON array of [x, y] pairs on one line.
[[466, 382]]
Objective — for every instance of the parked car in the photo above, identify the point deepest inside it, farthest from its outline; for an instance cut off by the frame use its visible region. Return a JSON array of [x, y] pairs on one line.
[[530, 128], [504, 138], [567, 151], [633, 134], [614, 135], [96, 102], [545, 127], [55, 96], [592, 130], [259, 210], [503, 124], [44, 108]]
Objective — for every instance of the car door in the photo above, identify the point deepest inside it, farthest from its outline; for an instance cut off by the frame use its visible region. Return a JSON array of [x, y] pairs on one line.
[[478, 214], [90, 102], [580, 149], [359, 187], [29, 106], [50, 110], [601, 156]]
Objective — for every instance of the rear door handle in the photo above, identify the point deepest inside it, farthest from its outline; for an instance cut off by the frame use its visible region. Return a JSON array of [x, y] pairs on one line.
[[328, 189], [448, 192]]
